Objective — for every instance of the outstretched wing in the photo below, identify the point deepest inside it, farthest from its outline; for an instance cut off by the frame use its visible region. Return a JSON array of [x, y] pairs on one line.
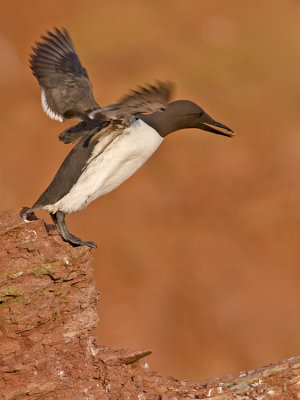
[[66, 91], [148, 99]]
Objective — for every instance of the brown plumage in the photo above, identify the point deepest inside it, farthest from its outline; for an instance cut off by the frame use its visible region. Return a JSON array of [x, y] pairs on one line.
[[65, 86], [147, 99]]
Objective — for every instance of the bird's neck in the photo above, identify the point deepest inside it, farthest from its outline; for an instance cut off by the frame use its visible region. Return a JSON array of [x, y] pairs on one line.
[[162, 126]]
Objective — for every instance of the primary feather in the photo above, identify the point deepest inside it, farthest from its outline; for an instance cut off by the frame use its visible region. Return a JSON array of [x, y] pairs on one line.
[[146, 99], [65, 87]]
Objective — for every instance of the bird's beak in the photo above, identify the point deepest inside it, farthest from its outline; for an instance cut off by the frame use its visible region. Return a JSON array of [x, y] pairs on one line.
[[208, 124]]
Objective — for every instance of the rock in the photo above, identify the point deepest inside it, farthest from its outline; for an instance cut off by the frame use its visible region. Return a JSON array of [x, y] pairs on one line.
[[47, 314]]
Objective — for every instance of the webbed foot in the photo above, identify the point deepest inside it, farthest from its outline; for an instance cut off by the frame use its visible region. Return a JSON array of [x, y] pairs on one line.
[[59, 221]]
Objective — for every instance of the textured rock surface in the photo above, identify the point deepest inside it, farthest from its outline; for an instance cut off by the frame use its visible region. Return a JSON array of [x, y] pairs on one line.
[[47, 312]]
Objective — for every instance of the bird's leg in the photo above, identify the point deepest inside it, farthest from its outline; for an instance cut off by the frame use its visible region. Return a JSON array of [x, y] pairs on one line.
[[59, 221]]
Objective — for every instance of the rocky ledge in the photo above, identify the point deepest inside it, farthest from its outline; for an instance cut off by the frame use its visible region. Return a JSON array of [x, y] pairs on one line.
[[47, 351]]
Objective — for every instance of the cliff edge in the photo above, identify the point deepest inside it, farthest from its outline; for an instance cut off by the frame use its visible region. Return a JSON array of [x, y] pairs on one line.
[[47, 351]]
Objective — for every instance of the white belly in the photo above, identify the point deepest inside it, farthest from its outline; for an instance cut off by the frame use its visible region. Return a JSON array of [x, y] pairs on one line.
[[107, 170]]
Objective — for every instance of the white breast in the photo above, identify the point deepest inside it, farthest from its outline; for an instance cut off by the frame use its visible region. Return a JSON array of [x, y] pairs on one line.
[[107, 169]]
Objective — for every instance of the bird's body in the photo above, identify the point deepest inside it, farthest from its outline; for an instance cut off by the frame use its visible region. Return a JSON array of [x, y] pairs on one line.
[[112, 142], [113, 159]]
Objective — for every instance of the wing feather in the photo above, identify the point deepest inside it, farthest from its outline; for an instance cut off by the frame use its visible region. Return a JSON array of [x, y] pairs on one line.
[[65, 86], [150, 98], [86, 128], [147, 99]]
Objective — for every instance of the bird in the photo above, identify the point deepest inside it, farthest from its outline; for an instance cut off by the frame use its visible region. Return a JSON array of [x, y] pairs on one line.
[[112, 142]]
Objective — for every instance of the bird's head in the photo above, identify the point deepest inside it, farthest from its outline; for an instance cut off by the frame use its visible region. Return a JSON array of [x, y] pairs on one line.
[[182, 114]]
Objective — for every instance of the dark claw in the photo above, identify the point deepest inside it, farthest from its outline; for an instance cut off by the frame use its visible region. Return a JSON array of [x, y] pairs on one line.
[[90, 244], [78, 242]]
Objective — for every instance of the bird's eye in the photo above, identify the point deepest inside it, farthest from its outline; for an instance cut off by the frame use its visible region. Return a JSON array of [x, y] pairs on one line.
[[162, 109]]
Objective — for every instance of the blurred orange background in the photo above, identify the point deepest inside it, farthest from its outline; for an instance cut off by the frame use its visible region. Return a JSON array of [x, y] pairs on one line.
[[198, 254]]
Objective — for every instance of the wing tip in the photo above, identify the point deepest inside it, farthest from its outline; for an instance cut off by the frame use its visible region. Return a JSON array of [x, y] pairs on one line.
[[57, 39]]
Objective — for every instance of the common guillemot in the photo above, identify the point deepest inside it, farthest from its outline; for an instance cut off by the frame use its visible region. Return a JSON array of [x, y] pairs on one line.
[[113, 142]]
